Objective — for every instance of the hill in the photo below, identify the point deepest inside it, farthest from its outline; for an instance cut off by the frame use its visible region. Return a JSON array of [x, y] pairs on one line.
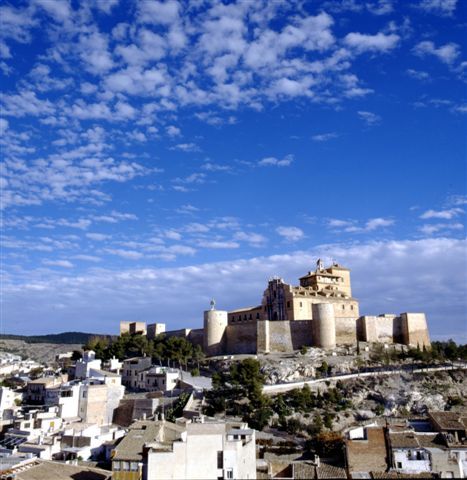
[[56, 338]]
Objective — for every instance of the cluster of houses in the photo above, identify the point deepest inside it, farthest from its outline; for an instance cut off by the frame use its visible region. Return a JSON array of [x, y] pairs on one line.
[[434, 446], [84, 416], [112, 414]]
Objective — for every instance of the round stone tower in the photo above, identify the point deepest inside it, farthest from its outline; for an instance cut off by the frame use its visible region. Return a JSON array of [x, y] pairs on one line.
[[215, 325], [324, 325]]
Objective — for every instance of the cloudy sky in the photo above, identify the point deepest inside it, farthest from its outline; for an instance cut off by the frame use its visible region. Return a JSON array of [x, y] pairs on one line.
[[156, 155]]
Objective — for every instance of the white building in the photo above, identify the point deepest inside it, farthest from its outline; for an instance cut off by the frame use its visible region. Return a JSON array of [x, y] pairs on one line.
[[87, 440], [162, 450], [7, 403], [93, 399], [132, 367], [158, 379], [84, 365], [408, 453]]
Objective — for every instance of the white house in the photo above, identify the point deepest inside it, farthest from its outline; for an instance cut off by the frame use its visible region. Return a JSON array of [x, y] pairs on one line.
[[210, 450]]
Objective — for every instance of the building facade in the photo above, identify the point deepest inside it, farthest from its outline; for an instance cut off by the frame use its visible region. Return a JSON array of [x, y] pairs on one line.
[[160, 450]]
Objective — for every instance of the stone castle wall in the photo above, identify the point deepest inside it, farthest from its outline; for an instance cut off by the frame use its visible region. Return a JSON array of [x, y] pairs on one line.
[[242, 338], [283, 336], [383, 329], [346, 330], [415, 329]]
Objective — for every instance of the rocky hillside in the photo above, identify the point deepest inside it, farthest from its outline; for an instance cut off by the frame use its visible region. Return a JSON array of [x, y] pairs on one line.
[[41, 352]]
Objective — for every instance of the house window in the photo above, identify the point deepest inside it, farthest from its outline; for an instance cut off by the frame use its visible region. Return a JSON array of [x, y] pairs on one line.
[[399, 464], [343, 307], [220, 459], [288, 304], [229, 473], [351, 307], [250, 317], [257, 316], [116, 466], [134, 466], [125, 466]]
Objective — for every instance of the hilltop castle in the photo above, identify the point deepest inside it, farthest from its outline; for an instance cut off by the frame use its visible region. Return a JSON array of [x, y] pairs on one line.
[[319, 312]]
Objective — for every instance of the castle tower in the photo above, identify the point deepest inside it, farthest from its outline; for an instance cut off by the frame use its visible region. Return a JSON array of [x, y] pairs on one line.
[[324, 325], [215, 325]]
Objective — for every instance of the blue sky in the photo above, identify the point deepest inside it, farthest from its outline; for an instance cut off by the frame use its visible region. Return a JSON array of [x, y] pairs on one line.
[[155, 155]]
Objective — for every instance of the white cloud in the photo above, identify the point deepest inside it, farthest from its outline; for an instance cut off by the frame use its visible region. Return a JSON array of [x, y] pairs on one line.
[[221, 244], [98, 237], [87, 258], [59, 10], [255, 239], [94, 52], [273, 161], [418, 74], [128, 254], [215, 167], [336, 223], [324, 137], [173, 131], [351, 226], [156, 12], [187, 209], [172, 235], [447, 214], [25, 103], [447, 53], [380, 7], [186, 147], [193, 178], [369, 118], [58, 263], [440, 227], [438, 7], [291, 234], [380, 42], [196, 228], [376, 223]]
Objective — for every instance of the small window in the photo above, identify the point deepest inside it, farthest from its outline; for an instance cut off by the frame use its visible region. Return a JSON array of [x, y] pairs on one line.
[[288, 304], [134, 466], [351, 307], [220, 459], [116, 466], [125, 466], [250, 317], [229, 473], [257, 316], [301, 304], [343, 307], [399, 464]]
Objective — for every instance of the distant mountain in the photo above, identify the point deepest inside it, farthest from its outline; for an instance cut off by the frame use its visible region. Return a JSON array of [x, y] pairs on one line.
[[65, 337]]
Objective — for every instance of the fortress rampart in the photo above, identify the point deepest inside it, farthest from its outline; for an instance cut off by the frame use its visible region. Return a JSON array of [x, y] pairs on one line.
[[319, 312]]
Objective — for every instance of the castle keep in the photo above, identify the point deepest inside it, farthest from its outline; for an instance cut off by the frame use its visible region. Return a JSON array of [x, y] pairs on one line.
[[320, 312]]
